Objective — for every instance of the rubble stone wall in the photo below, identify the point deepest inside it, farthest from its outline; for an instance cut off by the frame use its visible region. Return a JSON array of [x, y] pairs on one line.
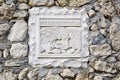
[[104, 41]]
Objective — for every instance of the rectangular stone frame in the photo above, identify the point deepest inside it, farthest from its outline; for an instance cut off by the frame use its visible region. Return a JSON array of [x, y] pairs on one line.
[[38, 17]]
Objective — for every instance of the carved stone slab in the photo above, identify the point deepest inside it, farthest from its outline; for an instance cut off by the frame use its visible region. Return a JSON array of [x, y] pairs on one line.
[[58, 37]]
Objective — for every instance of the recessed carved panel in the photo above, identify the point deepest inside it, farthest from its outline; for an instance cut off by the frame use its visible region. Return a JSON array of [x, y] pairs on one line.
[[58, 35]]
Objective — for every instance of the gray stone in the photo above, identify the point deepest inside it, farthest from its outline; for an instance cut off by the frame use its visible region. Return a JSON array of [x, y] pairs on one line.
[[103, 32], [111, 59], [67, 73], [6, 11], [10, 63], [1, 68], [33, 74], [50, 3], [52, 77], [23, 1], [97, 38], [76, 70], [62, 2], [105, 7], [5, 53], [4, 28], [23, 6], [4, 45], [1, 53], [20, 13], [94, 27], [115, 36], [19, 50], [10, 1], [98, 78], [23, 74], [100, 50], [77, 3], [8, 76], [91, 13], [18, 31], [37, 2], [56, 70], [116, 20], [43, 72], [70, 64], [1, 2], [118, 57], [82, 76], [117, 77], [68, 78], [103, 66]]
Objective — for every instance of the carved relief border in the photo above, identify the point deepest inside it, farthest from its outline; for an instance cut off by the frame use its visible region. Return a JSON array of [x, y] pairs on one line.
[[34, 28]]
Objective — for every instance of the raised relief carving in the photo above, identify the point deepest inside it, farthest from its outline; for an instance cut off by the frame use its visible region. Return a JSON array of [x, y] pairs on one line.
[[57, 35]]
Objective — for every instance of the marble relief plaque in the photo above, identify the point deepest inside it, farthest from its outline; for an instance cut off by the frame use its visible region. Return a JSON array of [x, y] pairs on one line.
[[58, 35]]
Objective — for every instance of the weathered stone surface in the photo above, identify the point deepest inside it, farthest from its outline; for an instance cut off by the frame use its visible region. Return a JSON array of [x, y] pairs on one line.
[[24, 1], [50, 3], [94, 27], [91, 13], [82, 76], [76, 70], [33, 74], [5, 53], [52, 43], [77, 3], [103, 66], [56, 70], [111, 59], [19, 50], [103, 32], [105, 7], [1, 68], [38, 2], [43, 72], [62, 2], [11, 63], [23, 74], [23, 6], [6, 11], [10, 1], [1, 53], [18, 31], [20, 13], [1, 1], [117, 77], [118, 57], [98, 78], [96, 38], [4, 28], [8, 76], [100, 50], [115, 36], [67, 73], [70, 64], [4, 45], [52, 77]]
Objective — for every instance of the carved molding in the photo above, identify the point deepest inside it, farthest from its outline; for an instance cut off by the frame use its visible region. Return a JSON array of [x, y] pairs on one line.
[[43, 16]]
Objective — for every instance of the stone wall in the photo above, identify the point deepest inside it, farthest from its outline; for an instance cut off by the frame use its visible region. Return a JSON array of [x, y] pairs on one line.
[[104, 41]]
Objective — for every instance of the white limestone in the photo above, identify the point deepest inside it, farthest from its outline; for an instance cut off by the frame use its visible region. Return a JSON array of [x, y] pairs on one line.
[[57, 35]]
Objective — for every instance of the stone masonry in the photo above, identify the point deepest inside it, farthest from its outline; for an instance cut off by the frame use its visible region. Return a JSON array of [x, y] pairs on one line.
[[102, 63]]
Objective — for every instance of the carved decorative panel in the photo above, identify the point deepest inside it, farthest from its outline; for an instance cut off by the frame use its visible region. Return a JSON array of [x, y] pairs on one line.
[[58, 37]]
